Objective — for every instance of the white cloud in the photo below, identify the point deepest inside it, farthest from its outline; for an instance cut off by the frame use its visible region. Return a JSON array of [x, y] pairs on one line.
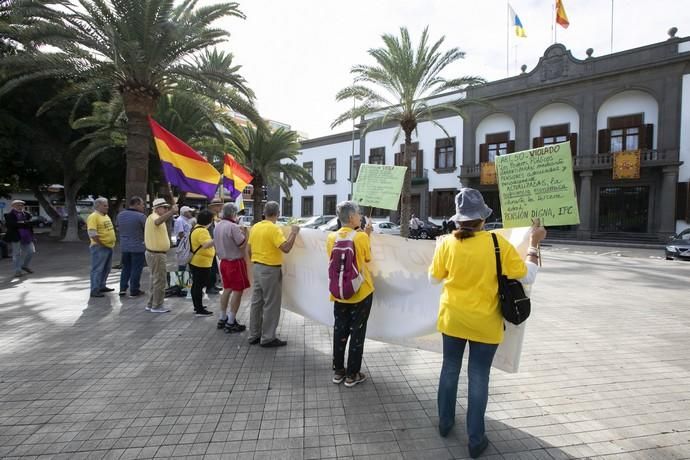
[[297, 54]]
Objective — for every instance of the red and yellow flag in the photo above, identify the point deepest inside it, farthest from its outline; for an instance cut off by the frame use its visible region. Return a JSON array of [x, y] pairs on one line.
[[561, 17], [235, 177]]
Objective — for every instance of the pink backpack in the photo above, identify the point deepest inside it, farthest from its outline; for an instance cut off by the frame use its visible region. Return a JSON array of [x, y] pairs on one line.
[[344, 279]]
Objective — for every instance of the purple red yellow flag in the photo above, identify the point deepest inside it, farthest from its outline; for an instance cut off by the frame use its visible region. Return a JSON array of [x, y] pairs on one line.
[[235, 177], [561, 17], [182, 165]]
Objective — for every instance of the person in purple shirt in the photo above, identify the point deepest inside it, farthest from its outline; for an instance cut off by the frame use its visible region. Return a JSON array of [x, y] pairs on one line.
[[20, 235], [130, 225]]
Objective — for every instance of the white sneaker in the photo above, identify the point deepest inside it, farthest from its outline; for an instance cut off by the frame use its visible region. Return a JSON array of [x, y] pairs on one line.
[[159, 310], [148, 308]]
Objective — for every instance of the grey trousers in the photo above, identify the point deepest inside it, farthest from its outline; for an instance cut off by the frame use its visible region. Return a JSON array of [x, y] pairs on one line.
[[266, 300], [156, 263]]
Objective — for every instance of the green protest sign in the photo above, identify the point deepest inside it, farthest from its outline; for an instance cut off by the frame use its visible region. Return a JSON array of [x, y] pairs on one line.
[[537, 183], [379, 186]]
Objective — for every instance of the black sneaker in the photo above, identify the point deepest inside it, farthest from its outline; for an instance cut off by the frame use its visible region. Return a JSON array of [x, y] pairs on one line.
[[27, 269], [275, 343], [203, 312], [235, 327], [107, 289], [221, 324], [137, 294]]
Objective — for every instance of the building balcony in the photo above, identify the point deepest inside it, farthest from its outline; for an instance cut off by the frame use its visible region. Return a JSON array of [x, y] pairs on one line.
[[601, 161], [421, 179]]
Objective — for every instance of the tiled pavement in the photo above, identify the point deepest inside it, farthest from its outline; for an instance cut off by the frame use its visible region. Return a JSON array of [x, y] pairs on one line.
[[605, 374]]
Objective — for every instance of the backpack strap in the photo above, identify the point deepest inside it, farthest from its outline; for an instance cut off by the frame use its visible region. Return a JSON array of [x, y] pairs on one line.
[[497, 252], [350, 236], [190, 242]]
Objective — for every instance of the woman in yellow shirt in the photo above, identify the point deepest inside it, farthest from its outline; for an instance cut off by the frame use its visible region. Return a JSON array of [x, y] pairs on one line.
[[201, 245], [469, 310]]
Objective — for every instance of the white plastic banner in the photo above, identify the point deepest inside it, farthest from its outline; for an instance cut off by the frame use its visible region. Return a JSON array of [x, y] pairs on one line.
[[405, 306]]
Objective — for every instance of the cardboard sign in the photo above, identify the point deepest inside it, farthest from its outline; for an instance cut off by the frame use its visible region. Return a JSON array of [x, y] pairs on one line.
[[537, 183], [379, 186]]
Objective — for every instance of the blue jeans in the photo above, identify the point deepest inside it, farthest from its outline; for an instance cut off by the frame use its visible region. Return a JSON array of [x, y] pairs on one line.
[[130, 276], [21, 255], [101, 259], [481, 357]]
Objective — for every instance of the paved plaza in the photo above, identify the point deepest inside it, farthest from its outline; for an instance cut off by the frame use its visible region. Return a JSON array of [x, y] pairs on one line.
[[605, 374]]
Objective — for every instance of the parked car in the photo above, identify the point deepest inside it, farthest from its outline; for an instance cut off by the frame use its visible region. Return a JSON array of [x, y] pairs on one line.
[[386, 227], [330, 226], [493, 225], [316, 221], [41, 221], [429, 231], [246, 221], [678, 247]]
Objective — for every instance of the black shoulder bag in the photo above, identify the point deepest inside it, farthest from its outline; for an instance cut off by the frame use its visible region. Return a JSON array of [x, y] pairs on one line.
[[515, 305]]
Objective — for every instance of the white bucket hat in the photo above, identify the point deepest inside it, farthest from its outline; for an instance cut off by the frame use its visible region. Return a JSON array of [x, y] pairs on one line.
[[469, 205]]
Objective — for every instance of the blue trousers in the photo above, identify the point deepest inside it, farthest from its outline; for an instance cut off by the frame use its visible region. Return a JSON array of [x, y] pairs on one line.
[[101, 260], [21, 255], [132, 266], [479, 368]]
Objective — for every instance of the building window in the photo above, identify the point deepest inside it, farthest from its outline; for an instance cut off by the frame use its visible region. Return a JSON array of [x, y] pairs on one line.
[[307, 206], [309, 167], [354, 168], [443, 203], [416, 159], [330, 176], [496, 144], [287, 207], [626, 133], [555, 134], [329, 202], [445, 154], [377, 156]]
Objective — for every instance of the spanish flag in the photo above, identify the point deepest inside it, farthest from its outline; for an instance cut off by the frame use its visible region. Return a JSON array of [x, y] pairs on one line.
[[235, 177], [182, 165], [515, 21], [561, 17]]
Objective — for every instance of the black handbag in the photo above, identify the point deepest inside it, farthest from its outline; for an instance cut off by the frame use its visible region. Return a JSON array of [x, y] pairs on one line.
[[515, 305]]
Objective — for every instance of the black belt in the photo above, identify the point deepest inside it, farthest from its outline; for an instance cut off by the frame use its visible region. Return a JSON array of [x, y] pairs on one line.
[[266, 265], [157, 252]]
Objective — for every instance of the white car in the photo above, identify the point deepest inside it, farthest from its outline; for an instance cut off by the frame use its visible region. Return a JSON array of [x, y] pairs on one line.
[[386, 227], [246, 221]]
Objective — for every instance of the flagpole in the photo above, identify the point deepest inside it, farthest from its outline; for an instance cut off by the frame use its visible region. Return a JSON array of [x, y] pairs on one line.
[[507, 39], [553, 24], [611, 26]]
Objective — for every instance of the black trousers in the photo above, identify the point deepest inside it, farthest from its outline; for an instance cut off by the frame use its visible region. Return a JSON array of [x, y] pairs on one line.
[[350, 321], [212, 275], [200, 276]]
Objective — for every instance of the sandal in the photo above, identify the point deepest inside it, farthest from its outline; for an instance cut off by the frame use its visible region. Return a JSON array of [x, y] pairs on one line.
[[355, 379], [339, 376]]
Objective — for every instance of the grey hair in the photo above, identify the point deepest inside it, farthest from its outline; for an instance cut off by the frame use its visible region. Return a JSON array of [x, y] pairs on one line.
[[229, 210], [345, 210], [271, 208], [100, 200]]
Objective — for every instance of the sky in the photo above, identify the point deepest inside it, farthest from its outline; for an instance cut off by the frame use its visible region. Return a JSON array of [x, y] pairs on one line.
[[296, 55]]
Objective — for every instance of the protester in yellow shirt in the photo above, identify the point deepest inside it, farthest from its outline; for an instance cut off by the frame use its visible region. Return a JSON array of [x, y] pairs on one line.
[[266, 247], [469, 310], [201, 245], [102, 236], [352, 313], [157, 244]]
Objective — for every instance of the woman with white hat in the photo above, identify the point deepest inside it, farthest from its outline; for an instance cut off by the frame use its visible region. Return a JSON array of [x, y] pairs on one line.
[[469, 310]]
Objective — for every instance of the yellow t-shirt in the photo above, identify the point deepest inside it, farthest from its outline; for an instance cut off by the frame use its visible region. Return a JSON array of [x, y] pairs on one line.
[[469, 301], [204, 256], [363, 254], [156, 236], [103, 227], [265, 239]]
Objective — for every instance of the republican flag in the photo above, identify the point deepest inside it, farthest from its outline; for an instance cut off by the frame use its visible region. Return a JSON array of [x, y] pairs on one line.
[[182, 165], [515, 22], [235, 177], [561, 17]]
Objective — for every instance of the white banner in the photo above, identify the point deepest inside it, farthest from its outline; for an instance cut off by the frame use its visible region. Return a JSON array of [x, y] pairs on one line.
[[405, 305]]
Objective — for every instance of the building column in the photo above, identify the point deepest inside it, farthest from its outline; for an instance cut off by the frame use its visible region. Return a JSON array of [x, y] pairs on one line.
[[667, 224], [584, 231]]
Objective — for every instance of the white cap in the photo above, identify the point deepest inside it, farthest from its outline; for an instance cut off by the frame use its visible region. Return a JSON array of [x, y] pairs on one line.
[[184, 209]]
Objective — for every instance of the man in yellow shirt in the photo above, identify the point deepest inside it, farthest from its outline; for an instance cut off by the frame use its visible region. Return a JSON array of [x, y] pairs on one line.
[[351, 314], [266, 247], [157, 244], [102, 236]]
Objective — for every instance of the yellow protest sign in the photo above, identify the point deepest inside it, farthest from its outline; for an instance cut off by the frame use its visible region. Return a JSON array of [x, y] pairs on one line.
[[537, 183]]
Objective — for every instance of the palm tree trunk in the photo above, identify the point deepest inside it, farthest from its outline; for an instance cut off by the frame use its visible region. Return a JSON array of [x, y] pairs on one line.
[[405, 198], [56, 226], [138, 106], [71, 190], [257, 198]]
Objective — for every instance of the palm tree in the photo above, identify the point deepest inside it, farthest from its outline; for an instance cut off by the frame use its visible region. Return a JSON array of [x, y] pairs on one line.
[[141, 49], [270, 157], [398, 87]]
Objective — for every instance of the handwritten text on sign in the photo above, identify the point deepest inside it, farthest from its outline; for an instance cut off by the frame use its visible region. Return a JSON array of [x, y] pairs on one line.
[[379, 186], [537, 183]]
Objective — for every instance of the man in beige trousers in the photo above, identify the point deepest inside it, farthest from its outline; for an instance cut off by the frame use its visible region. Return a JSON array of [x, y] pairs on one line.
[[157, 244]]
